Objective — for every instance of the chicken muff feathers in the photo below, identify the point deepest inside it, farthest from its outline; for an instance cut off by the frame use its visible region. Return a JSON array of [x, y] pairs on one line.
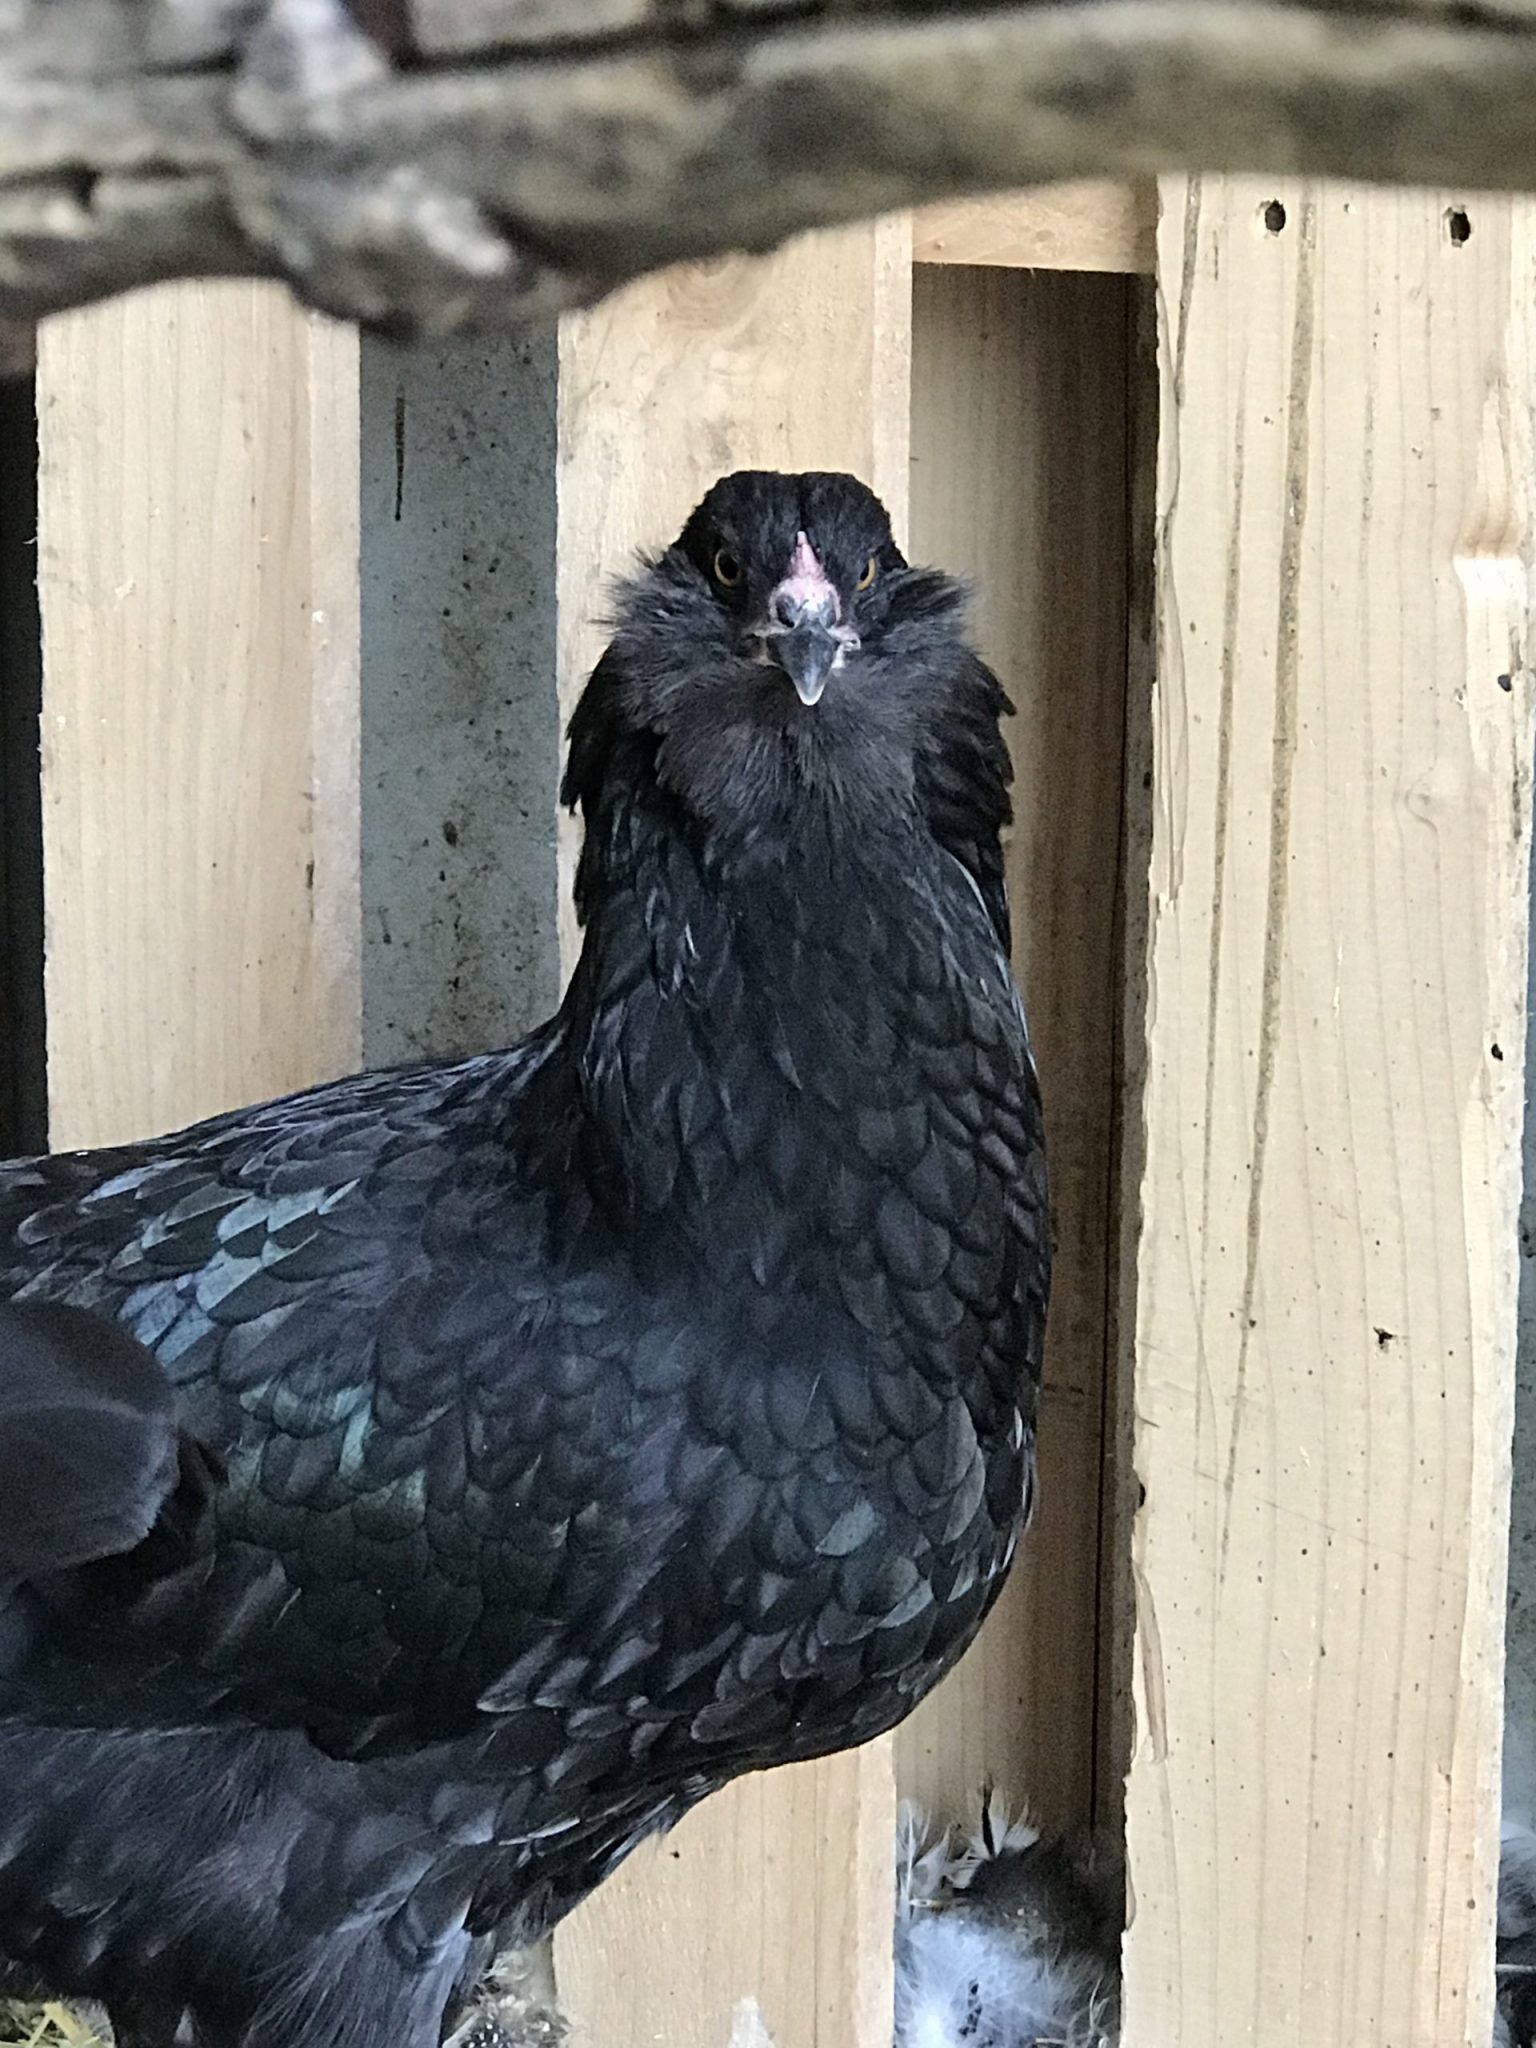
[[590, 1422]]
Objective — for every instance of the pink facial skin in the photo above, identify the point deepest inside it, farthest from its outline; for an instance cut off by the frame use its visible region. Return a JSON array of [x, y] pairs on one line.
[[806, 590], [803, 632]]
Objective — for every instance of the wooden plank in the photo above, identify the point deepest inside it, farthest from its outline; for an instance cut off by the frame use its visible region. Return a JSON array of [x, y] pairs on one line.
[[197, 566], [1326, 1267], [766, 1916], [1098, 224], [1019, 419]]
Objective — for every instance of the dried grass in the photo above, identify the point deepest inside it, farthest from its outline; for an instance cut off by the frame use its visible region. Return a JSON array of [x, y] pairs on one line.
[[46, 2026], [514, 2005]]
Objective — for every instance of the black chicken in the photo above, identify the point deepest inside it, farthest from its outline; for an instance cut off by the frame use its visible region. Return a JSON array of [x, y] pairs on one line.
[[1515, 1954], [600, 1419]]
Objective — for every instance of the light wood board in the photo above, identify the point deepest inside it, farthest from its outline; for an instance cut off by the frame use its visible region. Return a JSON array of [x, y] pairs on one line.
[[1096, 224], [1020, 401], [1325, 1277], [197, 564], [766, 1917]]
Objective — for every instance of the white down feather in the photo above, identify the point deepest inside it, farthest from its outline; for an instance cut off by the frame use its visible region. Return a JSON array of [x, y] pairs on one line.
[[1004, 1974]]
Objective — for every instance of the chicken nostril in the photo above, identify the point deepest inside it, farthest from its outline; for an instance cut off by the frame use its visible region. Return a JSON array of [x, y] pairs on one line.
[[803, 603]]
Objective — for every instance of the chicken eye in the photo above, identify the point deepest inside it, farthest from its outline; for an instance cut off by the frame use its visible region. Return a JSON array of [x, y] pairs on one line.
[[871, 568], [728, 571]]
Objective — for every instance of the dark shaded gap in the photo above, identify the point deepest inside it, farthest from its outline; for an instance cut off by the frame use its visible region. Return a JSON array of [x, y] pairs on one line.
[[23, 1051], [1120, 1490]]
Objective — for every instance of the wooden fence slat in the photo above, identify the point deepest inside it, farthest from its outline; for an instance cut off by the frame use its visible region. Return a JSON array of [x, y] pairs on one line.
[[1095, 224], [197, 565], [766, 1917], [1326, 1265]]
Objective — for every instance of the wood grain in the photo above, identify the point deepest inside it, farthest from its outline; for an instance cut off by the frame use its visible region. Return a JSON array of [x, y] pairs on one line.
[[1326, 1266], [1020, 402], [1096, 224], [197, 567], [766, 1917]]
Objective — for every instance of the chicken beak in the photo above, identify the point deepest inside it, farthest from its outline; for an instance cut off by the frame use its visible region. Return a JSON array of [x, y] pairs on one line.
[[802, 632], [806, 654]]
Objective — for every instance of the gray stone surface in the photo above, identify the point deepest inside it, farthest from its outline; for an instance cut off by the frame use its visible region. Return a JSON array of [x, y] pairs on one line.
[[460, 728], [1520, 1682], [460, 748]]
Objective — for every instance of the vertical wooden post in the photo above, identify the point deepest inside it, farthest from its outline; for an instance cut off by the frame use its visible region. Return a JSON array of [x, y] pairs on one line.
[[1325, 1272], [197, 568], [1021, 395], [766, 1917]]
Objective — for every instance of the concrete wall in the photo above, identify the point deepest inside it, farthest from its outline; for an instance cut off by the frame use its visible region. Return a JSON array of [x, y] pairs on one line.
[[460, 749], [1521, 1679]]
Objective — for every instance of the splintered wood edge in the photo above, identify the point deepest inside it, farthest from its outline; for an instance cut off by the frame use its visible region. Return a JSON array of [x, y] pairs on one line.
[[1099, 224]]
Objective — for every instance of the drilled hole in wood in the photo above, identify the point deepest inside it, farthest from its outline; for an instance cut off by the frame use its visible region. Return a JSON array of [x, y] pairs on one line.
[[81, 184], [1274, 216], [1458, 225]]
